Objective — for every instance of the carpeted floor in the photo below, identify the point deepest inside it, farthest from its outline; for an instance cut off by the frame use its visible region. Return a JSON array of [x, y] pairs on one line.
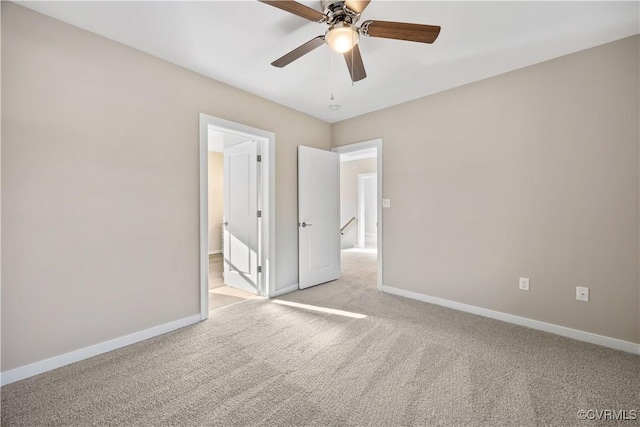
[[407, 363]]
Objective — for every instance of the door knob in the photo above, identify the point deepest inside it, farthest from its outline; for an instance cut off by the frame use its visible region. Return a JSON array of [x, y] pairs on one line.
[[225, 223], [304, 224]]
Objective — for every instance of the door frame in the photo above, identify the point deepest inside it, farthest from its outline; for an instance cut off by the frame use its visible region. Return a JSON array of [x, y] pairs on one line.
[[362, 177], [377, 144], [266, 200]]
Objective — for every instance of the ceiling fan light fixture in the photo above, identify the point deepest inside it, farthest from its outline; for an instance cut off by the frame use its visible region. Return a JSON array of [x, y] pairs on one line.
[[341, 37]]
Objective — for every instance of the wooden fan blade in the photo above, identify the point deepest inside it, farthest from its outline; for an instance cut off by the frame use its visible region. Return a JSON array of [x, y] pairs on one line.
[[298, 52], [401, 31], [358, 6], [355, 64], [297, 9]]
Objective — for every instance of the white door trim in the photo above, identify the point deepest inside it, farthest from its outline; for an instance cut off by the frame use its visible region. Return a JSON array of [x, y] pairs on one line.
[[267, 202], [361, 207], [377, 144]]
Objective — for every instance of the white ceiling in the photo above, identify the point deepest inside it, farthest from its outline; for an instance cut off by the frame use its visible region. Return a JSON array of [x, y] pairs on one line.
[[236, 41]]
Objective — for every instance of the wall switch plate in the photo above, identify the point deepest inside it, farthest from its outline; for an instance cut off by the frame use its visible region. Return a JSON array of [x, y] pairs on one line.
[[582, 293], [523, 284], [386, 203]]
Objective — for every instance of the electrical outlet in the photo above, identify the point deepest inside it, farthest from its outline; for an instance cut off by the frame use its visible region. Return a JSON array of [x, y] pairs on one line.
[[582, 293], [524, 284], [386, 203]]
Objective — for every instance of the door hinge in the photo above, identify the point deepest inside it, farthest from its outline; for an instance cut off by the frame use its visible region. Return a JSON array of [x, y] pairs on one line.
[[259, 269], [259, 214], [259, 158]]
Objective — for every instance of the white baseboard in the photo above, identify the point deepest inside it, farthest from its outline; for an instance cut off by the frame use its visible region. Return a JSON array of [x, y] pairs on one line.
[[283, 291], [219, 251], [36, 368], [615, 343]]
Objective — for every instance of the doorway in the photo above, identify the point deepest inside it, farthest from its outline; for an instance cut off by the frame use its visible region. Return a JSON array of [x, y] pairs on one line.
[[361, 207], [237, 200]]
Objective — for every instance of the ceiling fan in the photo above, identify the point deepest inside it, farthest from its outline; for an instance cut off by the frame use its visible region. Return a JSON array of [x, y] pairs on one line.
[[343, 35]]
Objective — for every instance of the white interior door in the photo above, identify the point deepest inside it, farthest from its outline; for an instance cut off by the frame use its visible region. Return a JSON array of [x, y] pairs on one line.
[[241, 217], [318, 216]]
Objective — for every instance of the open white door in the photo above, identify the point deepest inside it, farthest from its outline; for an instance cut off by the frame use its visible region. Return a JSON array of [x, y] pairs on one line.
[[241, 217], [318, 216]]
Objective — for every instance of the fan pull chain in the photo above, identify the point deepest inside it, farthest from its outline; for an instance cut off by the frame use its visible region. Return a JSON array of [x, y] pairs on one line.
[[332, 79], [352, 55]]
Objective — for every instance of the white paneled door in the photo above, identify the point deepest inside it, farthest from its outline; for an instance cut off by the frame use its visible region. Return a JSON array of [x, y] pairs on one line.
[[241, 217], [318, 216]]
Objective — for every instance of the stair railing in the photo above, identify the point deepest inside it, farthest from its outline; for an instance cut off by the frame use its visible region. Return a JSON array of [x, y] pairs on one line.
[[346, 225]]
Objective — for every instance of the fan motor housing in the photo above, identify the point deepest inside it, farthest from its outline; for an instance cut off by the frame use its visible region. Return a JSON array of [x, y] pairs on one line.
[[331, 5], [336, 12]]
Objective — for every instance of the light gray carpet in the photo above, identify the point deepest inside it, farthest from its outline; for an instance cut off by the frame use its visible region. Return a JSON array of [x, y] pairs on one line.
[[407, 363]]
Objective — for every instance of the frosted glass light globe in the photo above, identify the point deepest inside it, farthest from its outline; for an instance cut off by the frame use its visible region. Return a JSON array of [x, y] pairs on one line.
[[341, 37]]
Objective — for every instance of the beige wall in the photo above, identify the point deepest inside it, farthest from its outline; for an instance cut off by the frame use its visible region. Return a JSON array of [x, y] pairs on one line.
[[216, 201], [100, 189], [349, 172], [533, 173]]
